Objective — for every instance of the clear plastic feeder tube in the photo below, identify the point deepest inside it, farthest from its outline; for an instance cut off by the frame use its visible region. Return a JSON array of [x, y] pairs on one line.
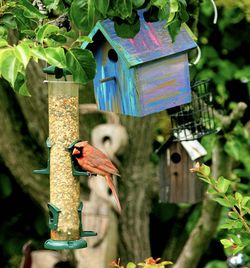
[[63, 101]]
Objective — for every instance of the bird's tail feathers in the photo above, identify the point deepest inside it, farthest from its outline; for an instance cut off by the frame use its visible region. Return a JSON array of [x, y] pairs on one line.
[[112, 187]]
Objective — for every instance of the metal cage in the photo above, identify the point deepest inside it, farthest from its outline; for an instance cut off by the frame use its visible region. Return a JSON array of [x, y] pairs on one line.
[[196, 119]]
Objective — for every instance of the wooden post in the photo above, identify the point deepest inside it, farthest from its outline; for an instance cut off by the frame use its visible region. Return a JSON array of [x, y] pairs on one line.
[[63, 130]]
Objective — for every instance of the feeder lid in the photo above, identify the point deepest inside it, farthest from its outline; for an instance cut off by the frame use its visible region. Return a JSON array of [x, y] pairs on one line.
[[58, 72], [152, 42]]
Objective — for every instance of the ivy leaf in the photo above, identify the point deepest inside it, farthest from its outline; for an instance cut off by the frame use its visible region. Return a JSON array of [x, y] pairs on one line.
[[45, 31], [20, 85], [126, 29], [223, 184], [22, 52], [82, 39], [138, 3], [3, 43], [10, 66], [3, 32], [81, 63], [183, 12], [8, 20], [174, 28], [124, 8], [102, 6], [38, 53], [82, 13], [55, 56]]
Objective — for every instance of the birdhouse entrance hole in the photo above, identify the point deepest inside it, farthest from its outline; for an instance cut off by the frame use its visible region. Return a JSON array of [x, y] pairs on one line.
[[176, 158], [112, 55], [196, 119]]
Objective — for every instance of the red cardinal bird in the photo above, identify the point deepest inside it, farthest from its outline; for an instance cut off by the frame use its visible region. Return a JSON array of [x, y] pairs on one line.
[[96, 162]]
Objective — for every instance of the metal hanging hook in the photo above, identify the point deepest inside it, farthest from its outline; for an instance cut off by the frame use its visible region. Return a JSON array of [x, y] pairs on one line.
[[198, 57]]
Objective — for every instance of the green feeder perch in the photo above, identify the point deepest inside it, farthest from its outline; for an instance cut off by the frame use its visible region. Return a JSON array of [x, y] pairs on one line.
[[46, 170]]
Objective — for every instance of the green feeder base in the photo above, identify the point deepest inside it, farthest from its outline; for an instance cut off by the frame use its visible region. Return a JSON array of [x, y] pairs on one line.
[[65, 244]]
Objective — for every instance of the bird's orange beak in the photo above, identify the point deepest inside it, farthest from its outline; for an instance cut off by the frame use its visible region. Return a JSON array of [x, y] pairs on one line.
[[75, 151]]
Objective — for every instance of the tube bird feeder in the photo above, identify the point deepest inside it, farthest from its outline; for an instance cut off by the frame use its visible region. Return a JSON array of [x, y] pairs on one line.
[[65, 207]]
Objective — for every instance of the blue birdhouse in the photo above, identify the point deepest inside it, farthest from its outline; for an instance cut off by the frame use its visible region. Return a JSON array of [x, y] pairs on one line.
[[141, 75]]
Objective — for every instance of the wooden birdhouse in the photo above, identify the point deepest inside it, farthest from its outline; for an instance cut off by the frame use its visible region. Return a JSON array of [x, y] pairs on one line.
[[177, 183], [141, 75]]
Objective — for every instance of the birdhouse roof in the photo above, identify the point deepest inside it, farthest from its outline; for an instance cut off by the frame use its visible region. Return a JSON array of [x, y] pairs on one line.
[[152, 42]]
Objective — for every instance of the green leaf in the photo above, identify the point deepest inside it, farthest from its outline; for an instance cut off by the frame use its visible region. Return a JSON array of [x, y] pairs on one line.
[[238, 197], [223, 184], [138, 3], [38, 53], [20, 85], [131, 265], [55, 56], [8, 20], [102, 6], [125, 29], [124, 8], [3, 32], [226, 243], [233, 215], [237, 249], [216, 264], [245, 200], [82, 13], [82, 39], [223, 202], [55, 40], [3, 43], [51, 4], [45, 31], [81, 63], [10, 66], [205, 170], [174, 6], [29, 10], [22, 52], [212, 191], [235, 239], [29, 33]]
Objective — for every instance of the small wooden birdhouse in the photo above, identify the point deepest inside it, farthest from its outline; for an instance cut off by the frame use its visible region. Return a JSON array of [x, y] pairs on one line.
[[177, 183], [141, 75]]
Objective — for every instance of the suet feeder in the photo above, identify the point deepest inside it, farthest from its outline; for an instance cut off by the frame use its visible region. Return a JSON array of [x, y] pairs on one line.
[[177, 183], [196, 119], [65, 207], [141, 75]]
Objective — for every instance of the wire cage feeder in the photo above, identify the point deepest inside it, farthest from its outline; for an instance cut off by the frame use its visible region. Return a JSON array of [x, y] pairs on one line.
[[196, 119]]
